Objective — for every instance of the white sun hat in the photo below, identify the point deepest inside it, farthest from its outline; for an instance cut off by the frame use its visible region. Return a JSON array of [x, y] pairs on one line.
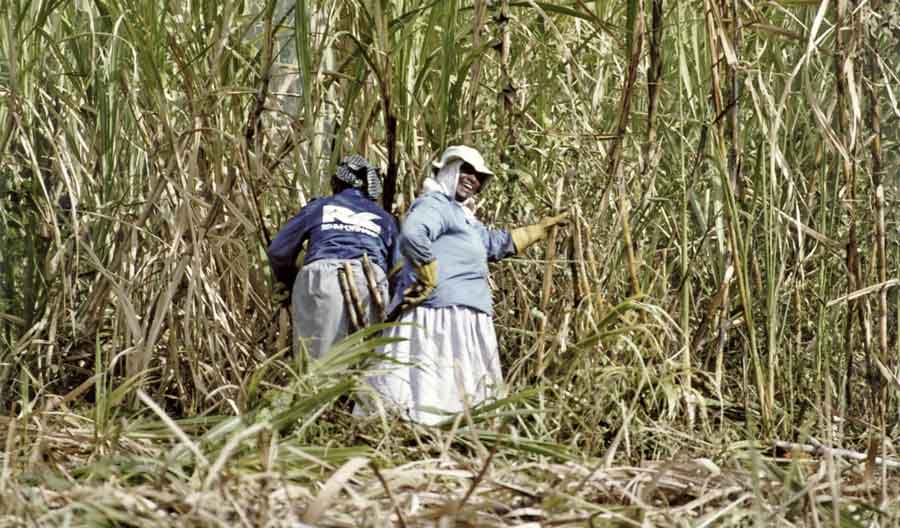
[[467, 154]]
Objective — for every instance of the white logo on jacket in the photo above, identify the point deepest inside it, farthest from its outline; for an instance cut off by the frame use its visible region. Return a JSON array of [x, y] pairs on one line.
[[344, 219]]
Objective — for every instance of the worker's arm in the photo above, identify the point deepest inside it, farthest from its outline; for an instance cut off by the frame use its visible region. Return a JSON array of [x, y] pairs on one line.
[[287, 244], [424, 223], [497, 242]]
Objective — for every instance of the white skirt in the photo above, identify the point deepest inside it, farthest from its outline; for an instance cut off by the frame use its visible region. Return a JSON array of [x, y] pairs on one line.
[[448, 360]]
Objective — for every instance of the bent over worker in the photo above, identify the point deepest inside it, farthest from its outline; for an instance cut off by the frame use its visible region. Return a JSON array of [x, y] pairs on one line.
[[339, 229], [448, 356]]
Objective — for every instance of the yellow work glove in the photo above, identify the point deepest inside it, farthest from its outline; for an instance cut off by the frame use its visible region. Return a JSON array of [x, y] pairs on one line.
[[523, 237], [426, 282], [397, 268]]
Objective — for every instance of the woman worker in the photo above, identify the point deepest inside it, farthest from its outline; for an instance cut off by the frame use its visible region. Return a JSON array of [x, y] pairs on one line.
[[340, 229], [448, 355]]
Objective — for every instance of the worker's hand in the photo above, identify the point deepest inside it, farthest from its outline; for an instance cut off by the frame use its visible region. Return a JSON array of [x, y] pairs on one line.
[[281, 294], [560, 219], [523, 237], [426, 282], [396, 268]]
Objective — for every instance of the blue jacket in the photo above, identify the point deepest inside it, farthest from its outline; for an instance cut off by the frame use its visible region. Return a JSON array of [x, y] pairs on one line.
[[342, 226], [438, 227]]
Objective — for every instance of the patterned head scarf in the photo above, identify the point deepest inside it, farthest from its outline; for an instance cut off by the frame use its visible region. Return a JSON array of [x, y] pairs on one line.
[[358, 173]]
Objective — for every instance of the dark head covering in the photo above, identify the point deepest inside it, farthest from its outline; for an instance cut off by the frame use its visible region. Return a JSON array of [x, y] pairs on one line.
[[358, 173]]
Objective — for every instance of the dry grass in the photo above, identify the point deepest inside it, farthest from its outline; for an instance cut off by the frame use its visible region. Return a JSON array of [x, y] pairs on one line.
[[422, 478]]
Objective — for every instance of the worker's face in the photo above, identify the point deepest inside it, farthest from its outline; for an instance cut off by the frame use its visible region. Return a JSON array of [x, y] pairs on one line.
[[468, 184]]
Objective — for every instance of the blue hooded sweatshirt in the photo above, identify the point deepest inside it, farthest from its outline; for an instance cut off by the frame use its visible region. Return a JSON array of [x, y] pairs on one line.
[[439, 227], [343, 226]]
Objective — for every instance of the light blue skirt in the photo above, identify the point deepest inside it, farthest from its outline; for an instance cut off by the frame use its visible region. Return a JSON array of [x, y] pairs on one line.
[[319, 315]]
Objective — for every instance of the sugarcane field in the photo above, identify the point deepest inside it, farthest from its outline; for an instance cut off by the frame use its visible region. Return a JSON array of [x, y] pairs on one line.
[[437, 263]]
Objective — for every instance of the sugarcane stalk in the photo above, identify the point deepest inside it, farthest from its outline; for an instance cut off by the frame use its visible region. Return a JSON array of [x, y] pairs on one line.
[[578, 292], [879, 389], [284, 328], [355, 302], [548, 282], [625, 210], [374, 292], [475, 69], [584, 285], [581, 275], [344, 280]]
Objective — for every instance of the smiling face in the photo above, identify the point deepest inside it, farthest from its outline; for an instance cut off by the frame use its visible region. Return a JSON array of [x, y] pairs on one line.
[[468, 184]]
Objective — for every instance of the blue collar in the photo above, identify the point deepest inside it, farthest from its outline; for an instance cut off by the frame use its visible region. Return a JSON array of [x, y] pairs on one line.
[[356, 193]]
